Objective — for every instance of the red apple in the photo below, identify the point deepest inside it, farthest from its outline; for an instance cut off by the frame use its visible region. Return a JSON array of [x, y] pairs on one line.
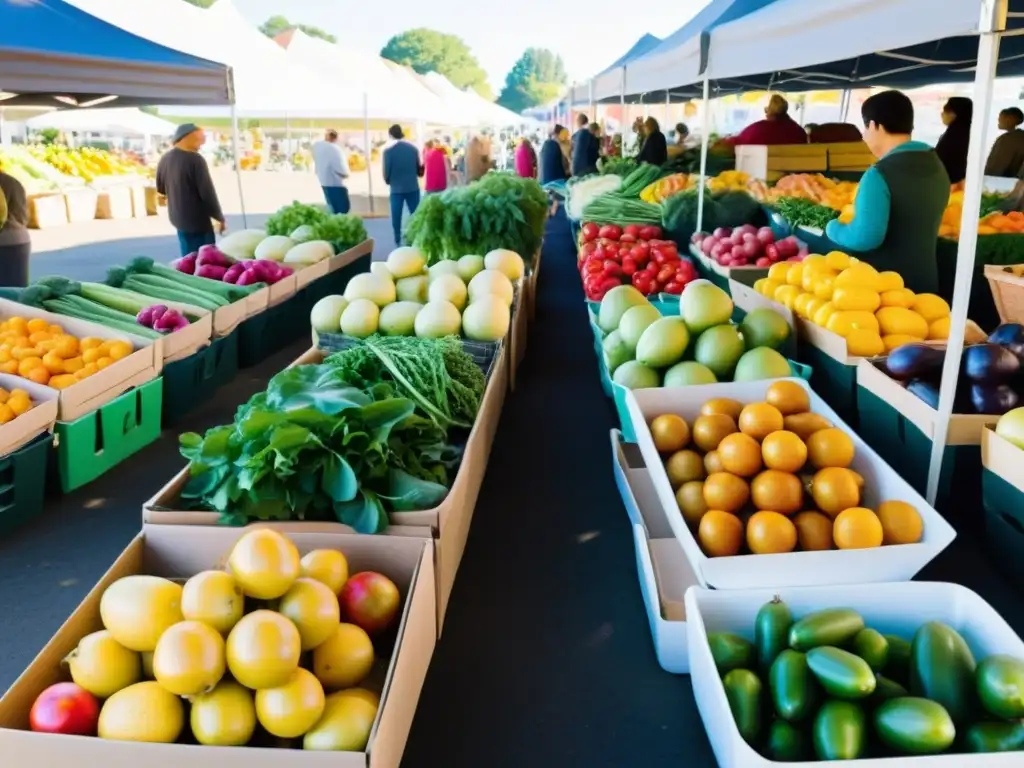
[[65, 708], [369, 600]]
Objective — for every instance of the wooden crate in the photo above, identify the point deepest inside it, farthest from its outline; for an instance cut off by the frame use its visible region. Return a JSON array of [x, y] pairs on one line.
[[772, 162], [1007, 285]]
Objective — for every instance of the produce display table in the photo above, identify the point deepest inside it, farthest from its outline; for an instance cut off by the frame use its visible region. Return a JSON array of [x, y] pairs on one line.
[[547, 597]]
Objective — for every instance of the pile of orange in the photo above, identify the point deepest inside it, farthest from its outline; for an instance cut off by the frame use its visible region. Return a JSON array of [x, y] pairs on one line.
[[13, 403], [44, 353], [773, 477]]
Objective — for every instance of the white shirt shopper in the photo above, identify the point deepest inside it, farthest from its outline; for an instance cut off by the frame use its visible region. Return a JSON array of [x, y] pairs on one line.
[[331, 171]]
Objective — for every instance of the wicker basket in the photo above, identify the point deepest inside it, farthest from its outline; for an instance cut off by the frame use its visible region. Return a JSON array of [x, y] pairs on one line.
[[484, 353], [1007, 284]]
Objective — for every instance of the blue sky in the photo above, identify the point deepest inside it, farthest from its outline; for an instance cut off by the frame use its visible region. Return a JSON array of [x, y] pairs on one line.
[[497, 34]]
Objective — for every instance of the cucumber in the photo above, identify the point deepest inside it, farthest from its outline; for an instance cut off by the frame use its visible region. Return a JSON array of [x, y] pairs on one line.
[[994, 737], [730, 651], [833, 626], [743, 690], [897, 664], [771, 632], [1001, 686], [839, 731], [914, 726], [942, 669], [886, 689], [840, 673], [794, 690], [786, 744], [871, 646]]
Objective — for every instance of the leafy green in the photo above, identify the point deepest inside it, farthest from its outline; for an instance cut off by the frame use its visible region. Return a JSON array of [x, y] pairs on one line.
[[342, 230], [620, 166], [289, 218], [639, 178], [617, 208], [500, 210], [315, 448], [437, 374], [805, 213]]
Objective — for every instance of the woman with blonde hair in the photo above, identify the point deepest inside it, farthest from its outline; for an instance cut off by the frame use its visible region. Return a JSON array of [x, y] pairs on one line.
[[655, 147]]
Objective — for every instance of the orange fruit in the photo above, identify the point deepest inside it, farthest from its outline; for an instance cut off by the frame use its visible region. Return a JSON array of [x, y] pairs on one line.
[[858, 477], [29, 363], [708, 431], [720, 534], [835, 489], [91, 355], [73, 364], [6, 414], [726, 492], [690, 498], [777, 491], [39, 375], [813, 531], [740, 454], [784, 451], [901, 523], [66, 346], [759, 420], [713, 462], [53, 362], [118, 350], [830, 448], [857, 528], [22, 351], [723, 405], [62, 380], [18, 325], [803, 425], [89, 342], [671, 433], [103, 362], [11, 366], [37, 324], [788, 397], [684, 466], [769, 533], [39, 336]]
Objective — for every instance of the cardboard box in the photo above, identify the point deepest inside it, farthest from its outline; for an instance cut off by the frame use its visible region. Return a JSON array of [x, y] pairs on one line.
[[80, 204], [889, 608], [114, 202], [226, 319], [47, 211], [90, 393], [179, 552], [40, 418], [187, 341], [849, 566], [665, 574], [448, 523]]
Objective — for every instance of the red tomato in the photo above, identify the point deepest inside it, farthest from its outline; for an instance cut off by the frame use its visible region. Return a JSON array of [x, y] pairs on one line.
[[590, 231], [588, 248], [611, 231], [611, 269], [627, 238], [673, 286], [633, 230], [650, 233], [629, 266], [665, 274], [65, 708], [657, 257], [772, 252], [642, 282], [594, 267], [624, 251], [639, 252]]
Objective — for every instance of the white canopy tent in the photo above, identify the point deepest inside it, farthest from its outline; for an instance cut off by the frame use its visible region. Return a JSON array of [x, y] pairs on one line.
[[461, 110], [268, 83], [496, 114], [126, 121], [388, 94]]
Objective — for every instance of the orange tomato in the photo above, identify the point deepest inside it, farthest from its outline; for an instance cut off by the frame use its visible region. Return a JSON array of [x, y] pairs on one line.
[[39, 375]]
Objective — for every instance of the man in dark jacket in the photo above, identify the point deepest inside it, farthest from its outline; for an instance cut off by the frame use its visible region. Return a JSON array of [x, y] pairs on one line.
[[552, 165], [402, 171], [584, 148], [183, 177]]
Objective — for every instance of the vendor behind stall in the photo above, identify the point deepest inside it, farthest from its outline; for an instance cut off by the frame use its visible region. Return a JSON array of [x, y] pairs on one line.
[[952, 145], [900, 199], [776, 128], [1006, 158]]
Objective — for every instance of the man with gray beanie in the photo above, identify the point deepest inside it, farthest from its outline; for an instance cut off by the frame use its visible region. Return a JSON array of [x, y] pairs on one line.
[[183, 177]]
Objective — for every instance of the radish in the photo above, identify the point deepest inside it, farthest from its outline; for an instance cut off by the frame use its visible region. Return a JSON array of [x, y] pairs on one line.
[[211, 271]]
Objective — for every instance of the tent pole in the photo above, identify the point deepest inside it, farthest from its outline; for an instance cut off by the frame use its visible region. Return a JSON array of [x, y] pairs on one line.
[[237, 151], [369, 152], [623, 117], [287, 141], [993, 19], [705, 120], [668, 107]]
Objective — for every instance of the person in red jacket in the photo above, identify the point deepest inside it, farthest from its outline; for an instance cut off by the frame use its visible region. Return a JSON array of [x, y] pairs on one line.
[[776, 128]]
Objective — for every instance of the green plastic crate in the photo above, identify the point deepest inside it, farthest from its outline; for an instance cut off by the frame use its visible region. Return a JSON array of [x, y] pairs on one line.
[[23, 483], [90, 446], [188, 382], [1004, 526], [835, 382], [907, 449]]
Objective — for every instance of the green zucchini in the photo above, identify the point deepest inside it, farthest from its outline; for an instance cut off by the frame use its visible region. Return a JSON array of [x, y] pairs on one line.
[[942, 669], [833, 626], [1001, 686], [730, 651], [994, 737], [743, 690], [785, 743], [886, 689], [771, 632], [914, 726], [795, 691], [840, 673], [871, 646], [897, 663], [840, 731]]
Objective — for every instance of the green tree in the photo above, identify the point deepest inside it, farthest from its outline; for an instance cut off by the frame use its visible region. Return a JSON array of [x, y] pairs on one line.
[[427, 50], [201, 3], [275, 25], [536, 78]]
